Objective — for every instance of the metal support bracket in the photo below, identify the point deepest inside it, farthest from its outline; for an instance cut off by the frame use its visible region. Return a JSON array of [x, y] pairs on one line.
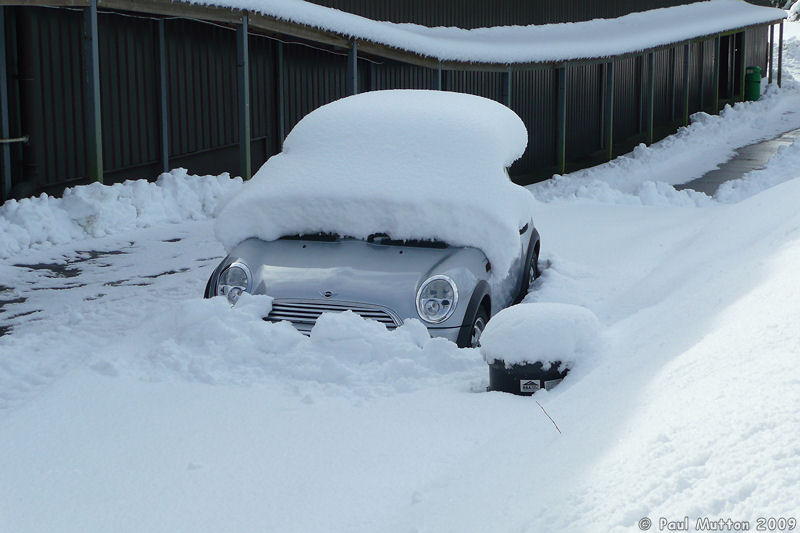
[[14, 140]]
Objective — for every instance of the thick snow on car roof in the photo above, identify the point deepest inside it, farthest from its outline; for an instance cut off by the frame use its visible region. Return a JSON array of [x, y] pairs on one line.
[[412, 164]]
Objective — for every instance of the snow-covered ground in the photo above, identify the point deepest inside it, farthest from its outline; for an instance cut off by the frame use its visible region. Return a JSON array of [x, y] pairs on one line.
[[129, 403]]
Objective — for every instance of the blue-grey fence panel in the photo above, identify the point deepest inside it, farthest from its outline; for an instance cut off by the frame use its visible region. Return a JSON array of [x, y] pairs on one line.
[[757, 47], [51, 94], [676, 102], [312, 78], [201, 74], [584, 104], [663, 87], [532, 98], [708, 75], [128, 92], [696, 73], [486, 84], [626, 98], [263, 110], [395, 75]]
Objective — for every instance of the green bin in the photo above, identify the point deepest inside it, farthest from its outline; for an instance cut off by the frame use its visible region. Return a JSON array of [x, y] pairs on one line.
[[752, 84]]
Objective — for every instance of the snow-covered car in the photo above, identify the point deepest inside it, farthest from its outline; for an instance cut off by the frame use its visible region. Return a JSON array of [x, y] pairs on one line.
[[394, 205]]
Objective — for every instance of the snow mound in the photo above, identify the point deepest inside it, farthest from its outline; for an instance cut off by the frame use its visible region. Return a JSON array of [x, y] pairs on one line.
[[207, 341], [552, 332], [412, 164], [98, 210]]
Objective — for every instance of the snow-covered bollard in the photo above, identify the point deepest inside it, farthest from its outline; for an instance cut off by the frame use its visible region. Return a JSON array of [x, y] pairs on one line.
[[533, 346]]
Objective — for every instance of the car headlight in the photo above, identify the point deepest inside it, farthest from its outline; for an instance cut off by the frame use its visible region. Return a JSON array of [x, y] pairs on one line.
[[234, 280], [437, 299]]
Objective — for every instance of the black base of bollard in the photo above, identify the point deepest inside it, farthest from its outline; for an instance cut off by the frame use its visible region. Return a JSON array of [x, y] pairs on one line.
[[524, 379]]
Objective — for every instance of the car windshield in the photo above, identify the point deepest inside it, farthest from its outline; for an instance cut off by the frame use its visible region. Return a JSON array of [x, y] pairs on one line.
[[375, 238]]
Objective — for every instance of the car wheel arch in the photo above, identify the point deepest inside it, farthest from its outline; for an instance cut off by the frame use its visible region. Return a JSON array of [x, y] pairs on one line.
[[533, 249], [481, 298]]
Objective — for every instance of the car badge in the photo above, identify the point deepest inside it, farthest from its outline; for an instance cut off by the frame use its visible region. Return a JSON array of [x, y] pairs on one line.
[[327, 294]]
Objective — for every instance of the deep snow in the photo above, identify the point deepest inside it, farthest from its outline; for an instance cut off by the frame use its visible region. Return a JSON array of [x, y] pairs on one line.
[[128, 403]]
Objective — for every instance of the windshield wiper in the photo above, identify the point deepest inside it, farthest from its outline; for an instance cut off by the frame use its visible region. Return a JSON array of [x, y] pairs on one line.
[[383, 238], [318, 237]]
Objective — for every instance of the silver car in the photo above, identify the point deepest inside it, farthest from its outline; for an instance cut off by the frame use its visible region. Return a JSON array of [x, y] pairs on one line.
[[449, 288]]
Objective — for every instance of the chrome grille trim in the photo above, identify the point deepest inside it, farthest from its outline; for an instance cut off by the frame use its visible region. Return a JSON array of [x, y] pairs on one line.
[[303, 314]]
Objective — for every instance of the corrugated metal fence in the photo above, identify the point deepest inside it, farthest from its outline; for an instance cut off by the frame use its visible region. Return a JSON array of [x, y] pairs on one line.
[[290, 79]]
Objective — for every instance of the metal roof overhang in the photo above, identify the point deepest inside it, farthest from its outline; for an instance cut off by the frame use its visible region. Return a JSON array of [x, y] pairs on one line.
[[272, 26]]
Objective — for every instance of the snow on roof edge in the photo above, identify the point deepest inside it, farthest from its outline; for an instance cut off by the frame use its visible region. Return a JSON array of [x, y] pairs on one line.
[[546, 43]]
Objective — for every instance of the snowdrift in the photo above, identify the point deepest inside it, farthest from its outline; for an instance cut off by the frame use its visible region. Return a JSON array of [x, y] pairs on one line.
[[98, 210]]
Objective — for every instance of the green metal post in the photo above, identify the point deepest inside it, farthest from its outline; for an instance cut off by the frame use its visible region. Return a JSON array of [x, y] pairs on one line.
[[608, 111], [742, 65], [780, 54], [352, 69], [91, 61], [243, 71], [716, 73], [5, 149], [561, 119], [651, 88], [438, 82], [162, 81], [507, 88], [280, 113], [771, 48]]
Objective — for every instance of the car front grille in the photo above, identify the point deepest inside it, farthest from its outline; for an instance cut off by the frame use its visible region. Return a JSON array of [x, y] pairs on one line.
[[303, 314]]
